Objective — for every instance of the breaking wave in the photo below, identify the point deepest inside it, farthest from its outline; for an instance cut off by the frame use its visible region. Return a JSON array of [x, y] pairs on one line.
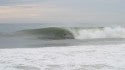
[[50, 33], [76, 32], [104, 32]]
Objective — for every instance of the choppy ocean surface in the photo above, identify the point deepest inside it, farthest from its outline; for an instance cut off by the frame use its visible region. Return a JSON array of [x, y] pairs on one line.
[[43, 47]]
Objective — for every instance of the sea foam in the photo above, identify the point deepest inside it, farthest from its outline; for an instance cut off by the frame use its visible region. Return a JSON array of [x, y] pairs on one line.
[[104, 32]]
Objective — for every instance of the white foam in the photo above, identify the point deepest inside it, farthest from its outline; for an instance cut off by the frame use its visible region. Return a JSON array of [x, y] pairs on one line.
[[106, 32], [101, 57]]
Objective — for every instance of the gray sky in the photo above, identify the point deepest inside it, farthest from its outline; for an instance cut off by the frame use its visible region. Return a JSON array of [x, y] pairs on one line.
[[95, 12]]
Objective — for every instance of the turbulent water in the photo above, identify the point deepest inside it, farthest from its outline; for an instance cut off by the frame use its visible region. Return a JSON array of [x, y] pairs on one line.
[[39, 47]]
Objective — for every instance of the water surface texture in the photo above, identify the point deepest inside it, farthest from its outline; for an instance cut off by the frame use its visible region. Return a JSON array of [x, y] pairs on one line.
[[38, 47]]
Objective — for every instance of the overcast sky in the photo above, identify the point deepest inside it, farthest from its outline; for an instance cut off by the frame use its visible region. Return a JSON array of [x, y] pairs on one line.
[[101, 12]]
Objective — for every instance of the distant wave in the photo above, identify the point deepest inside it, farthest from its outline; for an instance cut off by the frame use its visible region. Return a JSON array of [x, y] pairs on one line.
[[76, 32]]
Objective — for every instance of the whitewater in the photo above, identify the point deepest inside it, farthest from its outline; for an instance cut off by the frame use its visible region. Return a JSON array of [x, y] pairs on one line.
[[99, 57], [99, 32], [36, 47]]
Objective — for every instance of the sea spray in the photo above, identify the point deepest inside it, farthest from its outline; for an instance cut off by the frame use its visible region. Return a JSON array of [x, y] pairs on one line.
[[105, 32]]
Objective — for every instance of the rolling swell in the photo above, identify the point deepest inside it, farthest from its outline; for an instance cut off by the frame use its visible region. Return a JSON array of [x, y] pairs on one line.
[[49, 33]]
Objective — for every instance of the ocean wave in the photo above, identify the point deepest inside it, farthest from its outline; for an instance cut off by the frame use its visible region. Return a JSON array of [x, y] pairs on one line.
[[76, 32], [49, 33]]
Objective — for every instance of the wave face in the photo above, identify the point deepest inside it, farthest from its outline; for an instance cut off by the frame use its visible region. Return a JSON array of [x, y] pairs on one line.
[[76, 32], [50, 33]]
